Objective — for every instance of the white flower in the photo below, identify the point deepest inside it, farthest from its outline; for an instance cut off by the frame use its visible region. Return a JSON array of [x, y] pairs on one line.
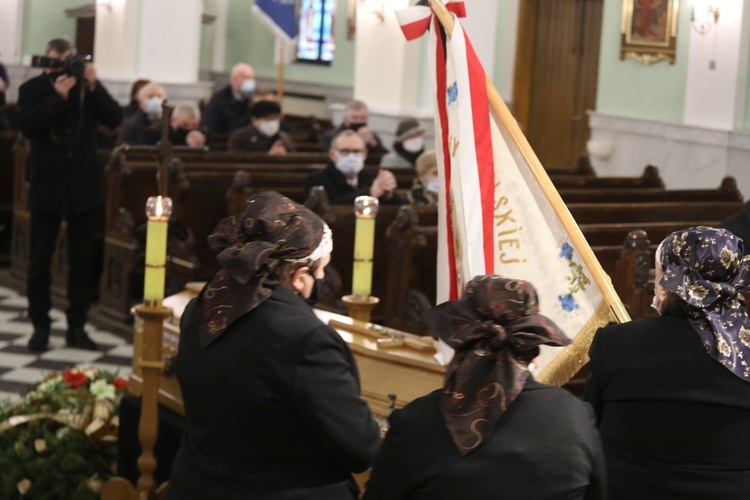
[[62, 433], [94, 483], [24, 485], [49, 385], [102, 390], [40, 445]]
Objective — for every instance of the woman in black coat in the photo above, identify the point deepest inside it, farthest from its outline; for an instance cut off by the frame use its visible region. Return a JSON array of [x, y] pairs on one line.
[[671, 393], [493, 432], [271, 394]]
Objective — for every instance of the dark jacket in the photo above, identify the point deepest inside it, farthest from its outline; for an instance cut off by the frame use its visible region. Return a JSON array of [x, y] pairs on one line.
[[64, 177], [224, 113], [545, 446], [272, 409], [739, 224], [327, 137], [341, 192], [138, 128], [673, 421], [250, 139]]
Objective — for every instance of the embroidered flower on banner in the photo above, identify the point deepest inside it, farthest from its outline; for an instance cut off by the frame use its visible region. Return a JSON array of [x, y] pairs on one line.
[[577, 280]]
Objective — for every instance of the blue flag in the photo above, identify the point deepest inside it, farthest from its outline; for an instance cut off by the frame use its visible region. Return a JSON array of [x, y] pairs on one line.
[[280, 17]]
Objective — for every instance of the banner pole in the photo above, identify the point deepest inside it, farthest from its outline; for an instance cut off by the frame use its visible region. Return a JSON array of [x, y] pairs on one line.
[[498, 107], [280, 79]]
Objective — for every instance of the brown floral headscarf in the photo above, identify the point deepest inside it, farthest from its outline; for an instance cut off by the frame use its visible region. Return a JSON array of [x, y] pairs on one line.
[[707, 268], [496, 330], [249, 246]]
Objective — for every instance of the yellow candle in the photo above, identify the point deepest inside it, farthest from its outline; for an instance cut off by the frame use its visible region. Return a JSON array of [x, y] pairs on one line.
[[365, 208], [158, 210]]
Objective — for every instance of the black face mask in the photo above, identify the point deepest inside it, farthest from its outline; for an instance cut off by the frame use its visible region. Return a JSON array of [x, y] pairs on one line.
[[315, 294], [179, 136], [356, 126]]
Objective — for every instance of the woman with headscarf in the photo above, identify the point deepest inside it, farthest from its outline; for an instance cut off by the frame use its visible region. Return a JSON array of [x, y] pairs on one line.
[[271, 394], [408, 144], [492, 431], [671, 393]]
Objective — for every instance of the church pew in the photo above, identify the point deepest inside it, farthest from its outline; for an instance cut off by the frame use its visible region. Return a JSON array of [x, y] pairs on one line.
[[727, 191], [586, 213], [649, 179]]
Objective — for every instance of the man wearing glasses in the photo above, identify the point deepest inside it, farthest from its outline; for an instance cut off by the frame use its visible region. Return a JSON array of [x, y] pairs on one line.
[[344, 178]]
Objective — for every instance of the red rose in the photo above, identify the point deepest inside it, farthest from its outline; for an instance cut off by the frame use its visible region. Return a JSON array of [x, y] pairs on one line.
[[75, 379], [121, 383]]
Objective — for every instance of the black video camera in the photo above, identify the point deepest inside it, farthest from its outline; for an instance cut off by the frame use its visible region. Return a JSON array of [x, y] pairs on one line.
[[73, 65]]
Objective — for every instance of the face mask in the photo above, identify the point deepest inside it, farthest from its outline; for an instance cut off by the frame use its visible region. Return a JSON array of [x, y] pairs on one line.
[[414, 144], [153, 106], [433, 185], [179, 136], [350, 164], [357, 126], [269, 128], [315, 293], [247, 87]]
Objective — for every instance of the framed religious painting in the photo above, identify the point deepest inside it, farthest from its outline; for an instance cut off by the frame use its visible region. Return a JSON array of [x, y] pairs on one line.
[[649, 30]]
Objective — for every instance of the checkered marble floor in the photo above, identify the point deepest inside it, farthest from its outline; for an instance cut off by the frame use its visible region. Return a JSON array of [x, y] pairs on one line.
[[20, 368]]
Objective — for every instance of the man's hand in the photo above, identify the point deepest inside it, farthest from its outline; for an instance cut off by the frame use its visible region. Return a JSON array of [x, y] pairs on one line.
[[89, 74], [195, 139], [277, 148], [384, 184], [368, 136], [2, 85], [63, 84]]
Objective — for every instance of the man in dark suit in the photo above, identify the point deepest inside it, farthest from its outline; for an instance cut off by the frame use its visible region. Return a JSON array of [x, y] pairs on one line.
[[229, 108], [59, 112], [355, 118], [344, 178]]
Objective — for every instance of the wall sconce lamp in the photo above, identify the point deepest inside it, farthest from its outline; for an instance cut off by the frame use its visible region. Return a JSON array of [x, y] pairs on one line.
[[104, 3], [376, 7], [704, 17]]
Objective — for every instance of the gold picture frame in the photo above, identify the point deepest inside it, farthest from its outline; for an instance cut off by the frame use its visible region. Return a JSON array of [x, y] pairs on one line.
[[649, 30]]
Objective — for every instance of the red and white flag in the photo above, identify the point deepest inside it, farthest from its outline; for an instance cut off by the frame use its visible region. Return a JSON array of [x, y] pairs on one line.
[[494, 216]]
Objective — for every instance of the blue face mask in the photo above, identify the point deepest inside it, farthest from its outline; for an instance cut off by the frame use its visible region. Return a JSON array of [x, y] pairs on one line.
[[315, 294], [247, 87]]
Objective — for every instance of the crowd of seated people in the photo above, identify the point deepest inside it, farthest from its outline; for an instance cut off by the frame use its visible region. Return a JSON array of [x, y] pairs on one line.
[[251, 120]]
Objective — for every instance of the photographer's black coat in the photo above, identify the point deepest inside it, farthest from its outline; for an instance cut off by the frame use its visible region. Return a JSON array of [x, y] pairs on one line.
[[63, 171]]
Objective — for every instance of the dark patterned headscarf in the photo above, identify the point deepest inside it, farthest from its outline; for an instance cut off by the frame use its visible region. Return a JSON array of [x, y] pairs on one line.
[[707, 268], [496, 330], [249, 246]]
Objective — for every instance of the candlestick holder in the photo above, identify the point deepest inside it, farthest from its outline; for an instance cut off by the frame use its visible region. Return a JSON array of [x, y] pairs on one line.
[[360, 307], [151, 364]]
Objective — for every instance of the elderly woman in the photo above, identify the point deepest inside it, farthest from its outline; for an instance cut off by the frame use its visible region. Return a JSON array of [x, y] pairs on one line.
[[671, 393], [492, 432], [425, 187], [271, 394]]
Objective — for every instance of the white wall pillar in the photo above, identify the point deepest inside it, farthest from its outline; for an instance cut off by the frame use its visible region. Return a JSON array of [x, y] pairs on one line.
[[154, 39], [386, 65], [717, 69], [220, 10], [11, 13]]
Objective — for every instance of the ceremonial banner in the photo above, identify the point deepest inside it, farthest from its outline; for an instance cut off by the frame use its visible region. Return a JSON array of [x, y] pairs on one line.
[[498, 211], [280, 16]]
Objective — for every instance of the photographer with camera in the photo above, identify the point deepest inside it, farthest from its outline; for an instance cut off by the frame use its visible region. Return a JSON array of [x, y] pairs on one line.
[[58, 112]]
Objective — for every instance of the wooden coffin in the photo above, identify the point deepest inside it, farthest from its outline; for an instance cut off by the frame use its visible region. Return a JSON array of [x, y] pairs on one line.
[[394, 367]]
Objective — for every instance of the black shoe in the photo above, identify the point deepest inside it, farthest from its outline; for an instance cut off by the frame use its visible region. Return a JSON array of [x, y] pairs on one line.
[[78, 338], [38, 341]]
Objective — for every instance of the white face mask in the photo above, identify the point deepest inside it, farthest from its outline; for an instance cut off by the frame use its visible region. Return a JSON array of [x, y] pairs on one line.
[[269, 128], [414, 144], [247, 87], [433, 185], [350, 164], [153, 106]]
